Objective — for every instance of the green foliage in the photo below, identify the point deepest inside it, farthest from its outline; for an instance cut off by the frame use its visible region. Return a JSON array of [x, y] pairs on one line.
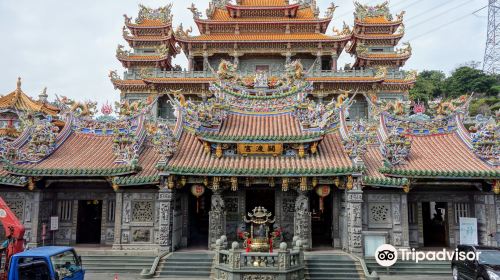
[[433, 84], [465, 80], [428, 86]]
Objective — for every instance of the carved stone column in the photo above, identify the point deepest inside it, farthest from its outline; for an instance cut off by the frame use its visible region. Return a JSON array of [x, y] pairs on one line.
[[302, 219], [118, 220], [190, 62], [335, 59], [166, 198], [205, 62], [217, 218], [354, 201], [36, 225]]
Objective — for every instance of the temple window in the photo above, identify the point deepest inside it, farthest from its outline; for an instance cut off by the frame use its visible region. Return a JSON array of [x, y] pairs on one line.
[[65, 210], [461, 211]]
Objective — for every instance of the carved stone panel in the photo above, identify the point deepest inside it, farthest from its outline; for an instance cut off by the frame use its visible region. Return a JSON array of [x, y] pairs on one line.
[[379, 214], [141, 235], [142, 211]]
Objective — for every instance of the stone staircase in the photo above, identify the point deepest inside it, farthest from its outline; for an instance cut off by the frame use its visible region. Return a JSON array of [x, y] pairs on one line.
[[109, 261], [332, 266], [192, 265], [437, 268]]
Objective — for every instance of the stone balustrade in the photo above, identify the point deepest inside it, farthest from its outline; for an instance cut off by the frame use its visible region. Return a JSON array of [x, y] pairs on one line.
[[235, 263], [395, 74]]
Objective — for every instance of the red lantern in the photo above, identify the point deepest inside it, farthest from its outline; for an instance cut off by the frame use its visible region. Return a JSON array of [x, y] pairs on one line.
[[322, 192], [197, 191]]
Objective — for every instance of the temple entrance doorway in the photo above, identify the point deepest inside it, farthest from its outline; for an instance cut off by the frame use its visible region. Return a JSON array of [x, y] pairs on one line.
[[321, 221], [260, 197], [435, 222], [199, 209], [88, 230]]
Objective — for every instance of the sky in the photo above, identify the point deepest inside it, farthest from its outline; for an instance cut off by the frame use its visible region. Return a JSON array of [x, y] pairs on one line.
[[69, 46]]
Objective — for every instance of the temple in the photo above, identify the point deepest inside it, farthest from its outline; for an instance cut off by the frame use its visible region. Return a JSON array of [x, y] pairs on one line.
[[263, 125]]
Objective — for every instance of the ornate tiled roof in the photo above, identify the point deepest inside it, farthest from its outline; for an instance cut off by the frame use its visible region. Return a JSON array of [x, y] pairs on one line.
[[191, 158], [373, 161], [266, 37], [221, 15], [81, 154], [264, 3], [442, 155], [19, 101], [149, 174], [269, 128]]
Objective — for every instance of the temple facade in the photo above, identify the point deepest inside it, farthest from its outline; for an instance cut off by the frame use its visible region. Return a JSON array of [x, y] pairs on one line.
[[262, 119]]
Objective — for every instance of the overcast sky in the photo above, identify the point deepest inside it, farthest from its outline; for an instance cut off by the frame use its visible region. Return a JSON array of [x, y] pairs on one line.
[[69, 46]]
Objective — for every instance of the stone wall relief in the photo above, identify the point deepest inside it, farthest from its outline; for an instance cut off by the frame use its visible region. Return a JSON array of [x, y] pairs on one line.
[[127, 212], [141, 235], [142, 211]]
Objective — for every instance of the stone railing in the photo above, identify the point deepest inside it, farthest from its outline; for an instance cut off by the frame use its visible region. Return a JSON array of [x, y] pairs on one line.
[[398, 74], [235, 263]]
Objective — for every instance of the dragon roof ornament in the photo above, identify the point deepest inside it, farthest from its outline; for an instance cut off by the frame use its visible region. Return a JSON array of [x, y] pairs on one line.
[[486, 140], [357, 141], [163, 140], [396, 148], [365, 11], [163, 14], [41, 144]]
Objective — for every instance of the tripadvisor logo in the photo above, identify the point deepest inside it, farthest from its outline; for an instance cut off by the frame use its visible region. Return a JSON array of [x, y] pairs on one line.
[[387, 255]]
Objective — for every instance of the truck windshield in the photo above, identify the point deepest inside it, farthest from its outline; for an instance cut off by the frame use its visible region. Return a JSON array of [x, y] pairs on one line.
[[491, 257], [65, 264]]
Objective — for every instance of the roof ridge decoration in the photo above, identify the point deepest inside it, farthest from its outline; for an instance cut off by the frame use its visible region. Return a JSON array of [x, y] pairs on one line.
[[163, 14], [440, 117], [216, 4], [84, 109], [330, 10], [318, 116], [42, 143], [486, 140], [356, 142], [396, 148], [164, 141], [127, 143], [381, 10], [260, 94]]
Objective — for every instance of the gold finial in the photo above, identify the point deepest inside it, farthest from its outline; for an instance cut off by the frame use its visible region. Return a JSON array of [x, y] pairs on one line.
[[18, 83]]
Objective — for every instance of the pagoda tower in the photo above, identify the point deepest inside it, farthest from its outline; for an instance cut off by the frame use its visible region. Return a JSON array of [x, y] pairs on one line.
[[375, 36], [151, 39], [262, 35]]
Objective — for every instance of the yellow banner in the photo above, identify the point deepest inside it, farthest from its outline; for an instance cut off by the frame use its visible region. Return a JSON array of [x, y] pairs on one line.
[[260, 149]]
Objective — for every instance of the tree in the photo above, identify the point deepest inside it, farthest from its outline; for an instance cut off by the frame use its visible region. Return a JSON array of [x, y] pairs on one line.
[[429, 85], [465, 80]]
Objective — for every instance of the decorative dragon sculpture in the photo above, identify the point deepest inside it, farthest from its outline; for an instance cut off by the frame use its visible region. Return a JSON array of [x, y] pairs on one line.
[[82, 109]]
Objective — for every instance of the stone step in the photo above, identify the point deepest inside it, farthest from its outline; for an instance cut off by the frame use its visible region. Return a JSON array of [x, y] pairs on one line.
[[331, 266], [185, 265], [439, 268]]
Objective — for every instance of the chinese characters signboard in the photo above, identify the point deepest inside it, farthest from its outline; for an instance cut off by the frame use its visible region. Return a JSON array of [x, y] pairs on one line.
[[260, 149]]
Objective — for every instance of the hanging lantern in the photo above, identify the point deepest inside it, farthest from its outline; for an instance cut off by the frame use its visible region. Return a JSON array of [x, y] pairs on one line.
[[496, 187], [322, 192], [197, 191]]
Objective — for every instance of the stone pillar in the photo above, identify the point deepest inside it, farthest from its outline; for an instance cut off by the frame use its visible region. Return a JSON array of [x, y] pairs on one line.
[[36, 223], [190, 62], [117, 244], [217, 218], [236, 59], [404, 220], [206, 63], [354, 201], [335, 59], [486, 220], [302, 219], [288, 59], [166, 198]]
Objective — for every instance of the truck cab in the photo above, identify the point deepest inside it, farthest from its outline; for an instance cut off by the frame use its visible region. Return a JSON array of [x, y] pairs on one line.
[[46, 263]]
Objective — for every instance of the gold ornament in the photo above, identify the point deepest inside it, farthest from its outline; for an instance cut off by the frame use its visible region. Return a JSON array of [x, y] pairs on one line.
[[496, 187], [284, 185], [234, 184], [349, 183], [303, 184]]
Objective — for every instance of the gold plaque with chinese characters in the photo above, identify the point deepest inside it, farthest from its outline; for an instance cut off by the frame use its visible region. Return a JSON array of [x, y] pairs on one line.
[[260, 149]]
